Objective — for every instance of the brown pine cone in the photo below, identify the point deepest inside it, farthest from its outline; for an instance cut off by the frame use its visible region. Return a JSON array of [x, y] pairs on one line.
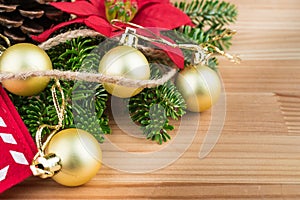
[[21, 18]]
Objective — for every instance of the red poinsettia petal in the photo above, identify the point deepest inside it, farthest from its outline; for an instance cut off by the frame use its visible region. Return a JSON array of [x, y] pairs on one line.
[[46, 34], [79, 8], [162, 16], [142, 3], [99, 5], [99, 24]]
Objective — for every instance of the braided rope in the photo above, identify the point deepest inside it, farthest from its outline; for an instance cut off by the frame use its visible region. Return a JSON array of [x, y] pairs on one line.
[[63, 37], [90, 77]]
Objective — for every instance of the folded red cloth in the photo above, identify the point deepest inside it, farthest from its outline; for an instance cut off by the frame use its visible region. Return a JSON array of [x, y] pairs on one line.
[[17, 148]]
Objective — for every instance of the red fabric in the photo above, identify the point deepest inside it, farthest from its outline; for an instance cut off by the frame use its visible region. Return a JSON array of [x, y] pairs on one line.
[[175, 54], [16, 144]]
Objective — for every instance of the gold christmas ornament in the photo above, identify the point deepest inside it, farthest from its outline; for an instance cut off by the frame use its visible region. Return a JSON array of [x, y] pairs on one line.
[[80, 156], [127, 62], [200, 86], [71, 156], [24, 57]]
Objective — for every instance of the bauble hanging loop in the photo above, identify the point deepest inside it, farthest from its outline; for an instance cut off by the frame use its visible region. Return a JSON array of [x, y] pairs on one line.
[[129, 38], [46, 166]]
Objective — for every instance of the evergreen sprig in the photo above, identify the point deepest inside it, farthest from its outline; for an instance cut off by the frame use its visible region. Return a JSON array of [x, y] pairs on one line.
[[210, 18], [153, 106], [209, 12], [85, 102]]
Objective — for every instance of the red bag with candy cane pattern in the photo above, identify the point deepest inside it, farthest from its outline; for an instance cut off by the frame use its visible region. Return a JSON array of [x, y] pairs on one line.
[[17, 148]]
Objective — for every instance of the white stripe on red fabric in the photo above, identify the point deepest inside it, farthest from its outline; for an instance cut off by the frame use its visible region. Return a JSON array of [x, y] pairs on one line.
[[3, 173], [19, 157], [2, 123], [8, 138]]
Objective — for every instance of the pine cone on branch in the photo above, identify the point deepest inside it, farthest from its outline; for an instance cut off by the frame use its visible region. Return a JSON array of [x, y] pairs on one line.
[[21, 18]]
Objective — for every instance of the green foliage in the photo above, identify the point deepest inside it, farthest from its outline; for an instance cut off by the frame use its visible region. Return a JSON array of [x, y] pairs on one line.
[[205, 36], [153, 106], [210, 18], [85, 102], [209, 12]]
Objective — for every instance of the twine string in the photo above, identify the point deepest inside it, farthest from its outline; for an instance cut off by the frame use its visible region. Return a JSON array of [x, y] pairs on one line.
[[87, 76], [200, 56], [60, 110], [91, 77]]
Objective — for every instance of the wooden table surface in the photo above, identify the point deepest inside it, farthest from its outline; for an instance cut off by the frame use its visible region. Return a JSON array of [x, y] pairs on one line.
[[258, 153]]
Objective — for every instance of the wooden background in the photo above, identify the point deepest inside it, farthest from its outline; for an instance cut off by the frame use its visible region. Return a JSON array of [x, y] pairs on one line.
[[258, 153]]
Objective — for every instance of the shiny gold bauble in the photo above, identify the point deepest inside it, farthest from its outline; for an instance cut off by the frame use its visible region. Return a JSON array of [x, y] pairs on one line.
[[80, 156], [24, 57], [127, 62], [200, 86]]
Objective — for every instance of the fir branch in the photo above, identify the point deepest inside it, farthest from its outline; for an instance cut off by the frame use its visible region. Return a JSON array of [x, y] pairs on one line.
[[155, 124], [210, 18], [153, 106], [209, 12], [88, 105], [85, 102], [200, 36]]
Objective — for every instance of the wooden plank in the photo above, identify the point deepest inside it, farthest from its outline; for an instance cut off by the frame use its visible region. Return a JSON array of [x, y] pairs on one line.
[[160, 190], [267, 30], [257, 155], [290, 108], [261, 76], [250, 151]]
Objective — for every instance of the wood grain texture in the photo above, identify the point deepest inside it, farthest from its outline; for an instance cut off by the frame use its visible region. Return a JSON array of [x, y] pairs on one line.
[[258, 153], [290, 108]]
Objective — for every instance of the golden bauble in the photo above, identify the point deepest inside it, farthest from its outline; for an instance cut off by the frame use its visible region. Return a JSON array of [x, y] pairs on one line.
[[80, 156], [127, 62], [24, 57], [200, 86]]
